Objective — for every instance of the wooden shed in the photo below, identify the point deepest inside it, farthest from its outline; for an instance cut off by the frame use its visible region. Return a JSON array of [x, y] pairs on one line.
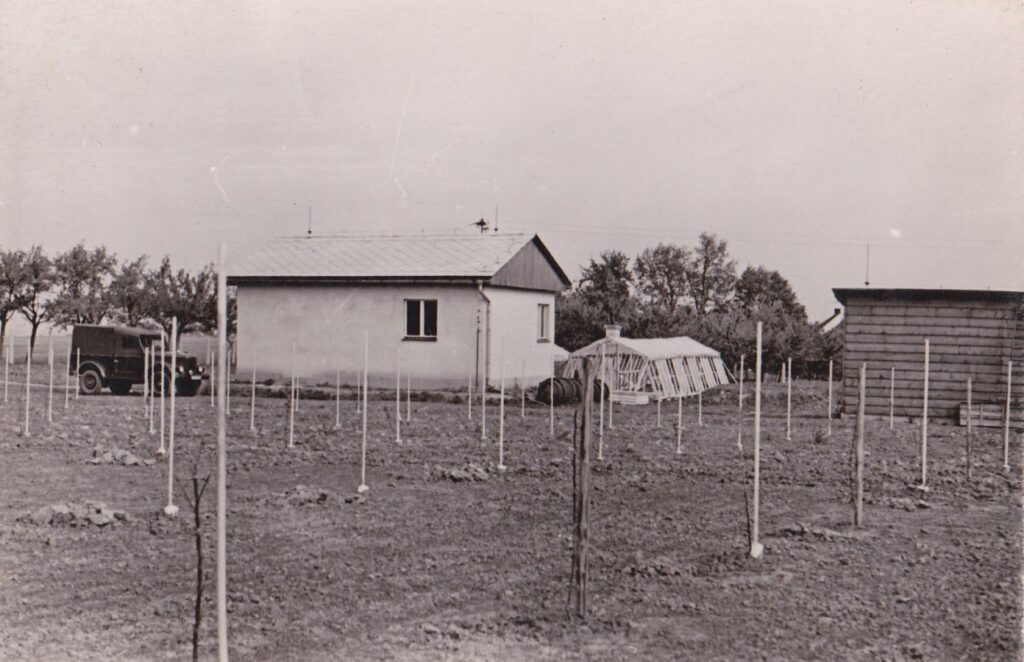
[[971, 333]]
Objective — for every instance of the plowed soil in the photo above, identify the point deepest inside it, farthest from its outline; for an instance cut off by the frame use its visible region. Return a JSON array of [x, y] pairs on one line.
[[427, 567]]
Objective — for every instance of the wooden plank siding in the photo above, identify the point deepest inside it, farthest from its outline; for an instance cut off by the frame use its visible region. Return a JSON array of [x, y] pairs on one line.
[[967, 338]]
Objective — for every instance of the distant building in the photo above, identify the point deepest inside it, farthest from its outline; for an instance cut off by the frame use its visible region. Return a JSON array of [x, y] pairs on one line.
[[971, 333], [447, 308]]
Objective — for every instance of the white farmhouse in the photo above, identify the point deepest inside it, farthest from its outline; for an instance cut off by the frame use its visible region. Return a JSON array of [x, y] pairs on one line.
[[442, 309]]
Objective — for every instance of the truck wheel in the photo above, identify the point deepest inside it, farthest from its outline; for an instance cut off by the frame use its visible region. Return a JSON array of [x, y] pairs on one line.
[[187, 388], [90, 382], [120, 387]]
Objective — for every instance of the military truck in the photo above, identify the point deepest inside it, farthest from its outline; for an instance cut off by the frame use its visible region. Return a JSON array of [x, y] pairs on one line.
[[113, 357]]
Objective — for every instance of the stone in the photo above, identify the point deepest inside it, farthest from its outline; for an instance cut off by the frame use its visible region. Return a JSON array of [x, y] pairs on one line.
[[100, 518], [41, 516], [459, 475]]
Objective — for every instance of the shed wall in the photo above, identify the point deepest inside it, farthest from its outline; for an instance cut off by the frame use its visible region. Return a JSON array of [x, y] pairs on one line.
[[967, 338]]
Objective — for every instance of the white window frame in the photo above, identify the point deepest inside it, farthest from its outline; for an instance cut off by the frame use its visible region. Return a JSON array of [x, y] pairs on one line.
[[423, 319], [544, 322]]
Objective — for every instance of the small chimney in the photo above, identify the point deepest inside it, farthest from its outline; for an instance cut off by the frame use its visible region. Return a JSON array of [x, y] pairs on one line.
[[612, 330]]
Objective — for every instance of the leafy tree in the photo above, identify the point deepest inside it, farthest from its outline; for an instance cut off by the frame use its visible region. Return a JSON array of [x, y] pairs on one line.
[[127, 294], [35, 282], [758, 286], [190, 298], [605, 286], [661, 276], [577, 324], [81, 277], [11, 275], [710, 275]]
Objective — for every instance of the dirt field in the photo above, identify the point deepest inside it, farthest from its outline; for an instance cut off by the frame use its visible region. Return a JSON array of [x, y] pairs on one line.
[[436, 568]]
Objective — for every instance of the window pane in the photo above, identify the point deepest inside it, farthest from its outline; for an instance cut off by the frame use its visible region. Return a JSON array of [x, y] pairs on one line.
[[542, 321], [430, 318], [412, 317]]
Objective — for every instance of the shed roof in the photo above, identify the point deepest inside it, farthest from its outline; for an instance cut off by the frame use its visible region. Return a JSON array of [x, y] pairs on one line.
[[916, 294], [399, 257], [651, 348]]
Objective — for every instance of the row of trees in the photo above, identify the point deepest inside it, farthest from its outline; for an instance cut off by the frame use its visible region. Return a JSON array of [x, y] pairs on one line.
[[83, 286], [671, 290]]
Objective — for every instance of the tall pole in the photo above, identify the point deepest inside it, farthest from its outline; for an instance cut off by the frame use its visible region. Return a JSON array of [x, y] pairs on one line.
[[28, 384], [291, 405], [366, 367], [600, 396], [49, 394], [858, 467], [170, 509], [756, 548], [789, 398], [252, 401], [581, 492], [1006, 421], [739, 416], [829, 433], [163, 392], [924, 422], [222, 493], [501, 414]]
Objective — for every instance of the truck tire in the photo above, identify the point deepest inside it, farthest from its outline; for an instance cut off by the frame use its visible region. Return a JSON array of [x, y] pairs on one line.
[[120, 386], [187, 387], [90, 382]]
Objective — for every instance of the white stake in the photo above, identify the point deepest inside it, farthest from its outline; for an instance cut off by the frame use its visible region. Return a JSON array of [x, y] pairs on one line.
[[469, 399], [501, 414], [226, 382], [679, 426], [163, 388], [600, 425], [252, 401], [756, 548], [829, 433], [700, 408], [522, 392], [969, 429], [858, 468], [7, 363], [67, 382], [659, 412], [1006, 422], [611, 391], [170, 509], [145, 379], [28, 384], [551, 398], [739, 434], [363, 487], [359, 391], [408, 397], [337, 398], [222, 494], [49, 395], [483, 410], [152, 385], [892, 397], [789, 398], [78, 368], [924, 422], [291, 408], [398, 400], [211, 360]]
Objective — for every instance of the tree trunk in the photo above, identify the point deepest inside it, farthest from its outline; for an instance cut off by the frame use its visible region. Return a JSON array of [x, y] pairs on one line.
[[32, 338]]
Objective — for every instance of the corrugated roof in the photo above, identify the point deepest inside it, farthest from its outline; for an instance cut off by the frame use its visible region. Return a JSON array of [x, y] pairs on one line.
[[410, 256], [651, 348], [918, 294]]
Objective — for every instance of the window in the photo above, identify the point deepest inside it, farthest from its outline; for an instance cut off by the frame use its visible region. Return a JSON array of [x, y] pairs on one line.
[[543, 322], [421, 318]]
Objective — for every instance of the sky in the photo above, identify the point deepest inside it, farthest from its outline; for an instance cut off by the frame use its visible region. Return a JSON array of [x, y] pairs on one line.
[[799, 132]]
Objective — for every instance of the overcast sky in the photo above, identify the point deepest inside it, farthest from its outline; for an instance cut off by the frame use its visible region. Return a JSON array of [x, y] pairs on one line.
[[797, 131]]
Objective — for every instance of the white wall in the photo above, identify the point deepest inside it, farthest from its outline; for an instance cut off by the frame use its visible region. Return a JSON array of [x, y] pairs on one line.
[[514, 328]]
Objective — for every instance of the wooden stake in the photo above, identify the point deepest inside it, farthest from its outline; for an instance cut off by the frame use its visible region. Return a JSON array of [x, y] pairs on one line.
[[363, 487], [700, 408], [78, 368], [924, 422], [892, 398], [829, 432], [501, 414], [483, 410], [398, 401], [152, 385], [858, 467], [522, 392], [603, 386], [679, 425], [756, 548], [469, 399], [163, 389], [291, 405], [28, 386], [611, 391], [581, 494], [222, 410], [252, 401], [49, 394], [739, 415], [551, 397], [170, 509], [145, 378], [970, 441], [1006, 418], [789, 398], [67, 382]]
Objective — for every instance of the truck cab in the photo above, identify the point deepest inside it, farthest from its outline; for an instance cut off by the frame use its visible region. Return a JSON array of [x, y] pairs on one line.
[[113, 357]]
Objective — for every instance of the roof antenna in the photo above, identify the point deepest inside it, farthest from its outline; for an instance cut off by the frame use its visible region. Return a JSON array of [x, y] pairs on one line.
[[309, 228], [482, 224], [867, 267]]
